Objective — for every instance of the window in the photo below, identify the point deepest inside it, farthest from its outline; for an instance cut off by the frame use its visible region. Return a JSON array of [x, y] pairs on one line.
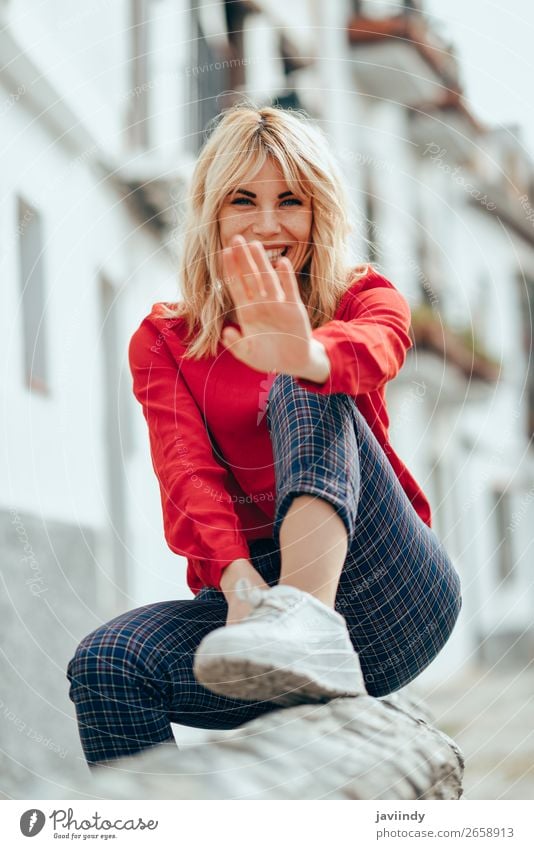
[[412, 6], [445, 509], [137, 120], [526, 288], [32, 288], [116, 499], [370, 220], [207, 79], [217, 72], [481, 310], [503, 519]]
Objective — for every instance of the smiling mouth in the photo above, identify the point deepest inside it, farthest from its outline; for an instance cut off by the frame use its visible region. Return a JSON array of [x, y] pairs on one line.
[[276, 253]]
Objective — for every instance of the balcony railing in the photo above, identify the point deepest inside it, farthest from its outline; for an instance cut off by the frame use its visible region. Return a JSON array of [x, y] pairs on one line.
[[460, 348]]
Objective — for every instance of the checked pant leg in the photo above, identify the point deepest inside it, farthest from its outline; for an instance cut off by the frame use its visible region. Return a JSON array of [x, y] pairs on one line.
[[314, 450], [133, 676], [398, 589]]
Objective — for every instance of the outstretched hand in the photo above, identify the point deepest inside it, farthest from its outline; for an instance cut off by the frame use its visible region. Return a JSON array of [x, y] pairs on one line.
[[274, 328]]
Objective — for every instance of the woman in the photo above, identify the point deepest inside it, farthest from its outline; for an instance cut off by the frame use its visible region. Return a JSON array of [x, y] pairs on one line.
[[310, 552]]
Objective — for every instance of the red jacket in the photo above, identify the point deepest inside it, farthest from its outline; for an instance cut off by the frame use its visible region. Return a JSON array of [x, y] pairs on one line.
[[209, 441]]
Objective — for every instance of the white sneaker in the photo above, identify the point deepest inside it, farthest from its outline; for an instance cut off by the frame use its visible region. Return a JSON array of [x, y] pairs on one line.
[[291, 648]]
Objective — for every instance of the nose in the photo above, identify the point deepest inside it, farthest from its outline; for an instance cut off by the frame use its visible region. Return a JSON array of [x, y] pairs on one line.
[[266, 222]]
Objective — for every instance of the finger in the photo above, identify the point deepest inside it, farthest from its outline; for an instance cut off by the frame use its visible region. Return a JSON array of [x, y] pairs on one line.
[[230, 336], [247, 267], [235, 343], [233, 279], [271, 287], [288, 280]]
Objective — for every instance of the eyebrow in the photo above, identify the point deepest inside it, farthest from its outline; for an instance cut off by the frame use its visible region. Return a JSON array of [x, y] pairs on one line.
[[252, 195]]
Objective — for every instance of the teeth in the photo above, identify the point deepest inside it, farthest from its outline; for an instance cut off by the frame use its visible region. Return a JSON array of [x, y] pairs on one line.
[[275, 254]]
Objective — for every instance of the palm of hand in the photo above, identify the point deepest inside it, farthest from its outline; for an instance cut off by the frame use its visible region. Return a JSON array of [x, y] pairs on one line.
[[273, 336], [274, 329]]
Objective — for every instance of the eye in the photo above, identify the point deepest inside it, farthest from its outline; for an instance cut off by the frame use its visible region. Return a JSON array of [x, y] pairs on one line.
[[240, 201]]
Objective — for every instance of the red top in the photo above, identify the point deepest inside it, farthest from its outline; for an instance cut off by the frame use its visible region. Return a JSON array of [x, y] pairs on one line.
[[210, 445]]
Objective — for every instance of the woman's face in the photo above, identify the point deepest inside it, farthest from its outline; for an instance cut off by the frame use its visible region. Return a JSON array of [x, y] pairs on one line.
[[264, 209]]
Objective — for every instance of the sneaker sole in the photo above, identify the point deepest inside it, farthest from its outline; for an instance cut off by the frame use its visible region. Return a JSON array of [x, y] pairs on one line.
[[243, 678]]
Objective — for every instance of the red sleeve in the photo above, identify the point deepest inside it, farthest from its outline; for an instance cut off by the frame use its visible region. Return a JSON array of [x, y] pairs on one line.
[[199, 518], [367, 347]]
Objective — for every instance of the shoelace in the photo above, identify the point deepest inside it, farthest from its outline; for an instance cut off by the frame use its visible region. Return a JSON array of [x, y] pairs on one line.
[[265, 605], [260, 598]]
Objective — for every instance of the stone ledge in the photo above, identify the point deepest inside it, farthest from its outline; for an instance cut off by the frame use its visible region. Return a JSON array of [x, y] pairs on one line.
[[350, 748]]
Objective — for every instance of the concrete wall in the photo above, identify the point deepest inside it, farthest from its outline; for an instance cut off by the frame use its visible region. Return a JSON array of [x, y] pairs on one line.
[[48, 602]]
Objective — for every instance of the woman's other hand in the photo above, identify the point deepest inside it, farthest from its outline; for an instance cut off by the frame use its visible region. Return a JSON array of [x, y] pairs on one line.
[[238, 609]]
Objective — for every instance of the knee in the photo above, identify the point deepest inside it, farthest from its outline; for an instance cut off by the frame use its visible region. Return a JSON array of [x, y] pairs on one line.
[[277, 392], [456, 603], [285, 388], [106, 654], [279, 387], [92, 653]]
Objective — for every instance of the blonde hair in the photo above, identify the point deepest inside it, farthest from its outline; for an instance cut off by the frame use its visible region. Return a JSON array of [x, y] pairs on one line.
[[240, 140]]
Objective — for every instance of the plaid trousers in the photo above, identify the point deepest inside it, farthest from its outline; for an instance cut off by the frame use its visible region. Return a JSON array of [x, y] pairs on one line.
[[398, 590]]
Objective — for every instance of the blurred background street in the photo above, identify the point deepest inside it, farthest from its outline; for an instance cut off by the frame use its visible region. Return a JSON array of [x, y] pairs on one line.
[[103, 111], [489, 715]]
